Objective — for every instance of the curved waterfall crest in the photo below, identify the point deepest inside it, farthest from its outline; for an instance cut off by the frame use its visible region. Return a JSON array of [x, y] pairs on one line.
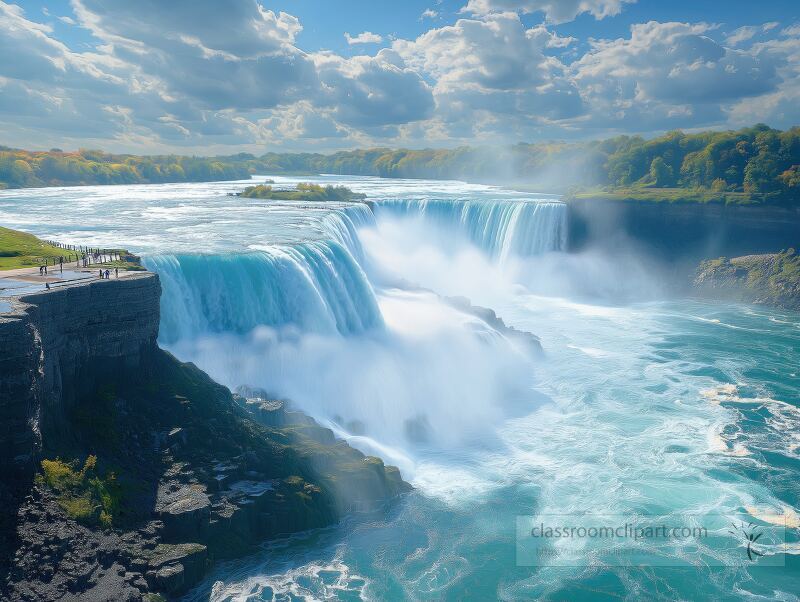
[[319, 285], [342, 226], [501, 228], [315, 286]]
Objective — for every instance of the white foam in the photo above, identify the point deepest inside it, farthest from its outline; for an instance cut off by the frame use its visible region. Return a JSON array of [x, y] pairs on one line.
[[786, 516]]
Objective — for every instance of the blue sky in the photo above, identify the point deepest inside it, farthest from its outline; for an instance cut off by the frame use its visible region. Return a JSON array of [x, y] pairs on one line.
[[211, 77]]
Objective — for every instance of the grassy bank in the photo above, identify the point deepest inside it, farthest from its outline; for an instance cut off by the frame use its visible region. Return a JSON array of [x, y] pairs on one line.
[[21, 250]]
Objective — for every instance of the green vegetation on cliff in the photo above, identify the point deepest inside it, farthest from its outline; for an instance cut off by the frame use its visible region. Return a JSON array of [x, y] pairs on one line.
[[199, 426], [773, 279], [303, 192], [84, 494], [650, 194], [23, 250], [20, 249], [752, 165]]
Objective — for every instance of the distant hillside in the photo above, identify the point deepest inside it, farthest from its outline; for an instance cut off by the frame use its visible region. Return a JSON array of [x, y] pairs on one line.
[[24, 169], [752, 165]]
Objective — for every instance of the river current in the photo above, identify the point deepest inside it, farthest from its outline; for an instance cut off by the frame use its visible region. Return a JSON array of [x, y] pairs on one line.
[[641, 403]]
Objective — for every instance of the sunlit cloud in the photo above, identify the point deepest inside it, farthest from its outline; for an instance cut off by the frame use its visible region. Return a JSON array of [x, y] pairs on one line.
[[365, 37], [207, 76]]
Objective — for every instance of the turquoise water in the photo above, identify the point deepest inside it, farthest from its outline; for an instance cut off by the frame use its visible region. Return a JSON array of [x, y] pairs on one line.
[[650, 405]]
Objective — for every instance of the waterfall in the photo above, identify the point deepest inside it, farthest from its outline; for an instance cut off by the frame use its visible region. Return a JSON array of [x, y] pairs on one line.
[[316, 286], [342, 226], [501, 228]]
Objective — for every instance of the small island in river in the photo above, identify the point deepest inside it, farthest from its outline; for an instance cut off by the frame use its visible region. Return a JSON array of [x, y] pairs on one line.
[[303, 192]]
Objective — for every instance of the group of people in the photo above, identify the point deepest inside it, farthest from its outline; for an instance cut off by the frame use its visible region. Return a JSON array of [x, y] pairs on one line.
[[43, 268], [107, 273], [104, 274]]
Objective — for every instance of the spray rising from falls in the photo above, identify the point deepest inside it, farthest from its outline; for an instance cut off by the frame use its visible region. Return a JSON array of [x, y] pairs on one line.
[[281, 318], [315, 286], [501, 228]]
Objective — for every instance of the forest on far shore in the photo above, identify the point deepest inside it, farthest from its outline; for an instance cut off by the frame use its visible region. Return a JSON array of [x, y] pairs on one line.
[[752, 165]]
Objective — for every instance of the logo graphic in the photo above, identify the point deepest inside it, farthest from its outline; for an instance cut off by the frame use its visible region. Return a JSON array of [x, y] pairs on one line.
[[749, 533]]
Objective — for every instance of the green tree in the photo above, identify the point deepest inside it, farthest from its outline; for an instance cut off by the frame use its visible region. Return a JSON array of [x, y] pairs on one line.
[[661, 173]]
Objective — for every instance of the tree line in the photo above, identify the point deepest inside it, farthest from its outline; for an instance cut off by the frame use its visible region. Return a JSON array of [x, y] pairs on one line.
[[22, 169], [757, 160]]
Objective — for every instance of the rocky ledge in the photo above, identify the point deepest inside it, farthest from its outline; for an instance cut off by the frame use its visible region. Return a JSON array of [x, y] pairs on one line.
[[527, 340], [771, 279], [154, 471]]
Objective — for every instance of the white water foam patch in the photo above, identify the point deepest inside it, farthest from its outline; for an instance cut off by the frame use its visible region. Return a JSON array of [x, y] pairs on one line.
[[314, 286], [309, 582], [779, 433], [436, 377], [601, 448]]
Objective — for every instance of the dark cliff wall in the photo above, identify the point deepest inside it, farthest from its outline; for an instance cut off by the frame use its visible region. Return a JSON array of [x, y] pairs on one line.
[[198, 474], [682, 232], [55, 343]]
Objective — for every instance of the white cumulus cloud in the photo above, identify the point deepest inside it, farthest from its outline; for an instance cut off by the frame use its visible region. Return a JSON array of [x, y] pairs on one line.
[[365, 37], [555, 11], [669, 75], [197, 74]]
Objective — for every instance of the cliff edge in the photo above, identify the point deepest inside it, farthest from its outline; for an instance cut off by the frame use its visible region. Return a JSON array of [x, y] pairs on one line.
[[55, 343], [126, 473]]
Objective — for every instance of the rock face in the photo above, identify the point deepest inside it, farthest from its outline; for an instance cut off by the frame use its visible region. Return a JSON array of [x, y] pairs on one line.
[[771, 279], [529, 340], [199, 474], [55, 342], [683, 232]]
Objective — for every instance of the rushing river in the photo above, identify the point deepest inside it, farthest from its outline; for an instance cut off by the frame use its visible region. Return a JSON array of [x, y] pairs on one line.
[[640, 405]]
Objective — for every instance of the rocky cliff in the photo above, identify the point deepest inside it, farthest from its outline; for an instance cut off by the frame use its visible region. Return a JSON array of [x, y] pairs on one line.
[[146, 470], [771, 279], [56, 343], [682, 232]]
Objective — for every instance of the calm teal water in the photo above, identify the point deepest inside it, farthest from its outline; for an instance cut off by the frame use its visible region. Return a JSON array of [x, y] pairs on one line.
[[652, 406]]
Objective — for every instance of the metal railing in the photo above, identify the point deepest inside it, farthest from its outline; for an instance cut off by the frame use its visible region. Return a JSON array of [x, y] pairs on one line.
[[83, 256]]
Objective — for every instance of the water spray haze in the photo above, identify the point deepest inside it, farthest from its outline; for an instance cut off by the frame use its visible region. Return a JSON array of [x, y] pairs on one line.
[[432, 378], [450, 253]]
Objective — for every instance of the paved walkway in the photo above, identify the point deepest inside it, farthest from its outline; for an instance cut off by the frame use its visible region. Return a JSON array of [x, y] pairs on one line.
[[21, 281]]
